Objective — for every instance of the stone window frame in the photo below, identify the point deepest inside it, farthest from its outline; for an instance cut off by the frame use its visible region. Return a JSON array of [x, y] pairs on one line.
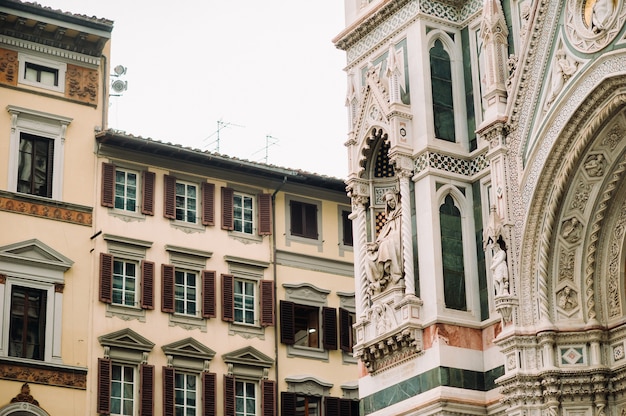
[[347, 301], [41, 124], [343, 248], [289, 238], [59, 67]]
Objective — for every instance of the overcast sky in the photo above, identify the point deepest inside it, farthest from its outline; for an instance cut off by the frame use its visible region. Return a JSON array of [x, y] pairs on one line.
[[262, 68]]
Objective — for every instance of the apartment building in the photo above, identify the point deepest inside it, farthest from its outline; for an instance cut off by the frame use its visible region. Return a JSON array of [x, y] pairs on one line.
[[144, 278]]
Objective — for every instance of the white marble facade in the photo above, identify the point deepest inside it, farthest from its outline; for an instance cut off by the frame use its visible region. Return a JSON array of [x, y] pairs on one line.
[[508, 261]]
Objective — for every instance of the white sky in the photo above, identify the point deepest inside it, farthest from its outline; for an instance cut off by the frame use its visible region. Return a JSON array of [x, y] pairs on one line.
[[269, 66]]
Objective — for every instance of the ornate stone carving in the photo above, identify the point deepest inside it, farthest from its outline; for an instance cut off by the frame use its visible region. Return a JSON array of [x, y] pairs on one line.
[[563, 68], [25, 396], [82, 83], [579, 201], [594, 165], [571, 230], [8, 67], [567, 299], [590, 29], [566, 265]]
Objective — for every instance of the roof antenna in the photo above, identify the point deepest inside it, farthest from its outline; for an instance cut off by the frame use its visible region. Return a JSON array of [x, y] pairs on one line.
[[220, 125], [269, 141]]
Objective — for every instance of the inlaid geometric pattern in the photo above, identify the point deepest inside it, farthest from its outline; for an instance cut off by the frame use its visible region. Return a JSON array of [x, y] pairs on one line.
[[572, 356], [383, 169], [380, 221], [452, 164]]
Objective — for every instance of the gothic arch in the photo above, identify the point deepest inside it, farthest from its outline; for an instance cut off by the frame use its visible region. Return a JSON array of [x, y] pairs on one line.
[[374, 140], [586, 129]]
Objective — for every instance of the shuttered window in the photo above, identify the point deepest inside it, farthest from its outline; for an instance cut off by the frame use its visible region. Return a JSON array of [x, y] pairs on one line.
[[303, 219], [332, 407], [228, 298], [104, 386], [121, 187], [229, 395], [183, 292], [287, 322], [146, 392], [267, 302], [208, 294], [268, 404], [209, 393], [119, 282], [208, 203], [265, 214], [227, 209]]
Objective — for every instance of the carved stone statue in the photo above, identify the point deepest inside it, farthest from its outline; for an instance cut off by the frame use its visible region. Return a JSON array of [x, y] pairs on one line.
[[601, 14], [499, 269], [563, 69], [383, 262]]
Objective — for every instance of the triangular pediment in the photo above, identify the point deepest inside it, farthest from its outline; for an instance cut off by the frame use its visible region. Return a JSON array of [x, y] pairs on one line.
[[35, 252], [248, 356], [127, 339], [189, 348], [374, 107]]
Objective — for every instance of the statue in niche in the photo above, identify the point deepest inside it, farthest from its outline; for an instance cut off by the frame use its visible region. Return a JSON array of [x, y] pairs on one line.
[[383, 261], [571, 230], [492, 237], [499, 268], [601, 13], [563, 69], [594, 165]]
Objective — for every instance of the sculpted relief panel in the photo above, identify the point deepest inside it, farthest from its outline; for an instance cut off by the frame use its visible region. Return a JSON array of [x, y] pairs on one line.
[[591, 25]]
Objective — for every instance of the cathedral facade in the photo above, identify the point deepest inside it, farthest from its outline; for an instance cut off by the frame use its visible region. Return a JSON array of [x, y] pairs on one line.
[[486, 158]]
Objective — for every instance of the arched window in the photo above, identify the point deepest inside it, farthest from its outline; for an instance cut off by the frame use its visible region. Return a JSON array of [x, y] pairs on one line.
[[452, 255], [441, 82]]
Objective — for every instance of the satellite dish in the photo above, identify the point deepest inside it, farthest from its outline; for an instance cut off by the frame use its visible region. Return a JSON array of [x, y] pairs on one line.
[[119, 86], [119, 70]]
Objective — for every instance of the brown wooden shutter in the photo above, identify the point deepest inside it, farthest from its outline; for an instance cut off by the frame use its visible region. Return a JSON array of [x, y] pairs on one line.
[[147, 192], [169, 198], [267, 302], [104, 386], [167, 283], [208, 203], [287, 403], [229, 395], [331, 406], [228, 298], [106, 277], [265, 214], [168, 391], [108, 185], [287, 322], [147, 284], [208, 294], [346, 407], [268, 405], [227, 209], [329, 316], [345, 330], [146, 392], [209, 393]]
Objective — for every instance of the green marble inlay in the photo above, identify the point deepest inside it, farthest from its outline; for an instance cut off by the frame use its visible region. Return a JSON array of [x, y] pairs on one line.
[[440, 376]]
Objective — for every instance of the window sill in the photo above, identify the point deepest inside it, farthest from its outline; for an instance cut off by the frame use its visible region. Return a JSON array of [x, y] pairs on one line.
[[245, 238], [187, 227], [126, 313], [307, 352], [246, 331], [126, 216], [188, 322]]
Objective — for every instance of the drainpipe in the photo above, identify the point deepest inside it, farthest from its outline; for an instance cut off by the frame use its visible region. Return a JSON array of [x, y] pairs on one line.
[[275, 287]]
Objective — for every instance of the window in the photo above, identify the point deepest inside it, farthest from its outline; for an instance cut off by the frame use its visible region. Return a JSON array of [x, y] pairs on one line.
[[27, 323], [35, 165], [346, 227], [188, 389], [189, 202], [41, 72], [30, 300], [303, 219], [347, 333], [185, 292], [121, 189], [125, 380], [452, 255], [441, 81], [126, 282], [247, 391], [245, 398], [242, 305], [122, 389], [314, 400], [186, 202], [36, 153], [300, 325], [244, 298], [245, 213]]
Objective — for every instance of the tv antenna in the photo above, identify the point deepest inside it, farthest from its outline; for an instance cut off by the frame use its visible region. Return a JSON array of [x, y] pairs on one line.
[[269, 141], [220, 126]]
